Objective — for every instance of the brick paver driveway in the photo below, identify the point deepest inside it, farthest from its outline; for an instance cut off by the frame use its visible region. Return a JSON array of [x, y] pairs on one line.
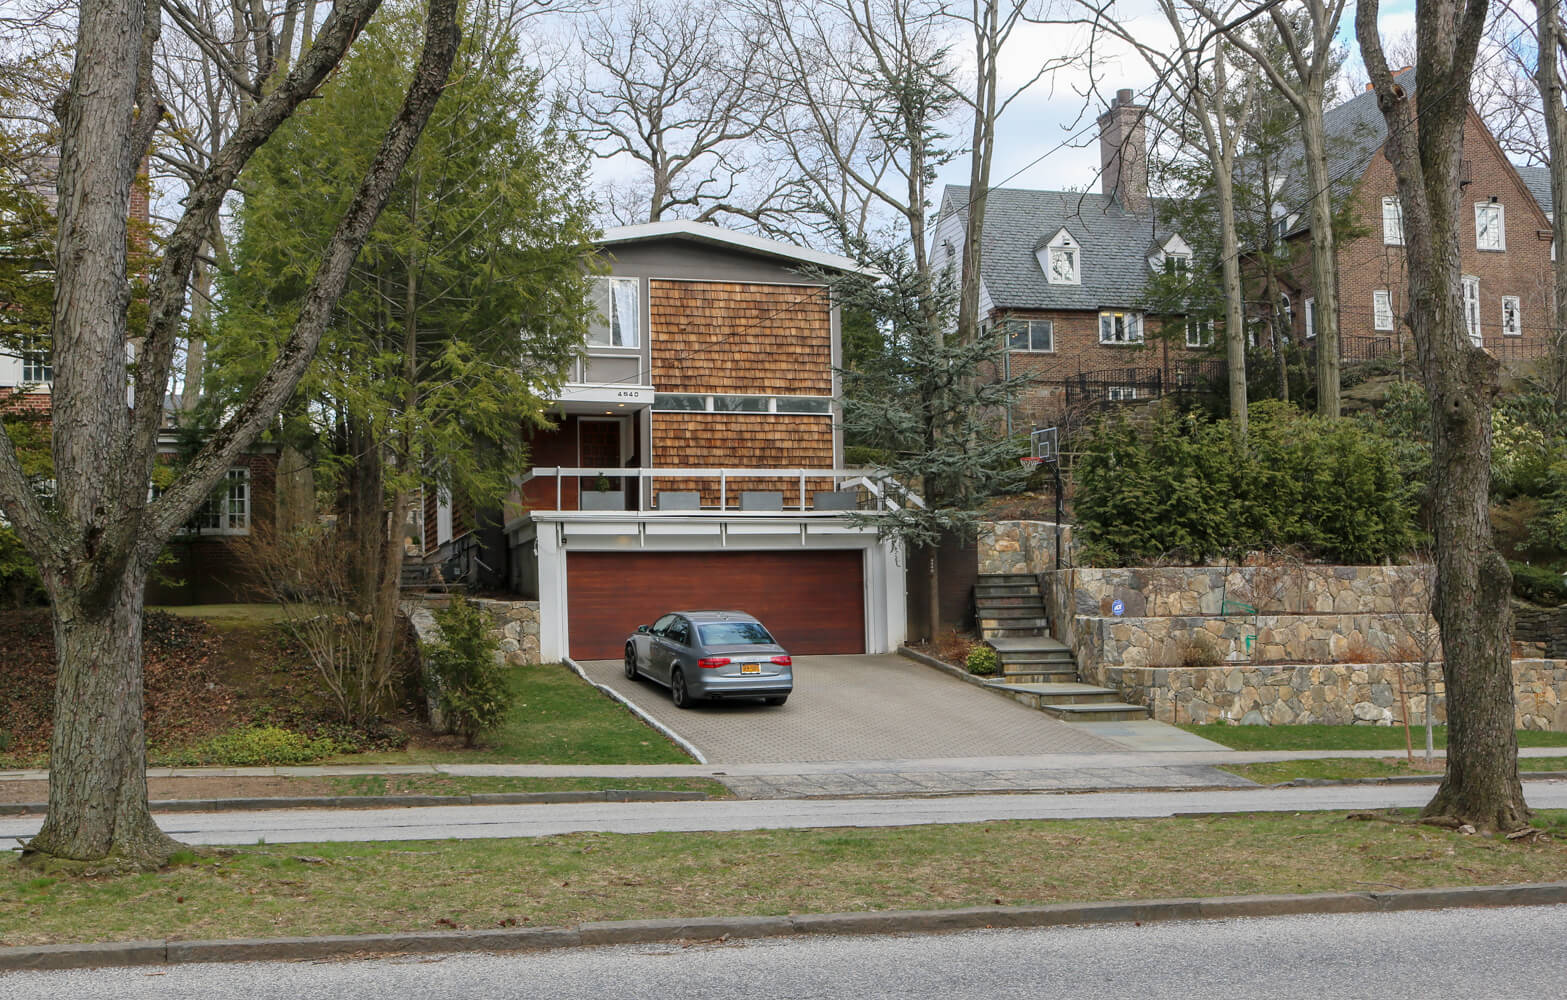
[[857, 708]]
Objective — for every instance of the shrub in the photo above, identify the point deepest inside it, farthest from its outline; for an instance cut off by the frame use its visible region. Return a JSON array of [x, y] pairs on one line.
[[1548, 529], [1183, 489], [1538, 584], [470, 684], [983, 660], [254, 746]]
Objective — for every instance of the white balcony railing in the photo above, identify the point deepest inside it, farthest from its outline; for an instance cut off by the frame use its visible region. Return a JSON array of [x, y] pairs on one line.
[[802, 490]]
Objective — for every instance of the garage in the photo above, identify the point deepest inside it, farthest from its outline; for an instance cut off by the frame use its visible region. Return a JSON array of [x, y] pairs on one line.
[[812, 601]]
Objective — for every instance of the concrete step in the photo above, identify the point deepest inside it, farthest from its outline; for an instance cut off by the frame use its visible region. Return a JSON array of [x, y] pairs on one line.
[[1029, 644], [1103, 712], [1038, 656]]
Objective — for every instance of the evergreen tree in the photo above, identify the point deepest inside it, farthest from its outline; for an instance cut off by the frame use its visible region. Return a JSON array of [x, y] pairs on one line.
[[465, 306]]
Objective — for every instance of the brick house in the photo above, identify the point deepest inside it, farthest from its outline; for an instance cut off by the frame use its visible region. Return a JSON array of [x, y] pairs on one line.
[[1064, 274], [1505, 243], [696, 458]]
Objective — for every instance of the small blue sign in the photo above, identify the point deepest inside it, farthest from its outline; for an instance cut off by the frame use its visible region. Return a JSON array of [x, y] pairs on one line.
[[1117, 608]]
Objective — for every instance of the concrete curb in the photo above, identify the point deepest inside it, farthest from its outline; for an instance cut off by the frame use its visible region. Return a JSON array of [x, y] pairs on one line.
[[389, 801], [679, 740], [943, 666], [621, 932]]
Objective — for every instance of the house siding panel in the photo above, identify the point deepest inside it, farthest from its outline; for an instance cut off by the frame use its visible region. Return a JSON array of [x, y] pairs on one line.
[[732, 337], [742, 441]]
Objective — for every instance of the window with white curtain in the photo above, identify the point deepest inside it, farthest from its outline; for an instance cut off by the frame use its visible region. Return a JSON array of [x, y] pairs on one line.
[[618, 318]]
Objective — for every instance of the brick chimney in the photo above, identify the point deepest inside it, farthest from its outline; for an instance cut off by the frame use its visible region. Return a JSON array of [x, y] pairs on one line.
[[1123, 152]]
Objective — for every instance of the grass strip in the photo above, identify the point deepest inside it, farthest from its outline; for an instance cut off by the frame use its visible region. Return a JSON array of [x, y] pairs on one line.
[[360, 888], [558, 718], [462, 784], [1343, 737], [1273, 772]]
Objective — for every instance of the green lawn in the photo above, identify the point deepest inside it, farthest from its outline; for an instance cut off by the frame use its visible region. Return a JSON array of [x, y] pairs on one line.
[[1342, 769], [558, 719], [464, 784], [358, 888], [1342, 737]]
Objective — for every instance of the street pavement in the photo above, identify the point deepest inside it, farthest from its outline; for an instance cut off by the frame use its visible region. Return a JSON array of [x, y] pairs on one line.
[[490, 821], [1513, 953]]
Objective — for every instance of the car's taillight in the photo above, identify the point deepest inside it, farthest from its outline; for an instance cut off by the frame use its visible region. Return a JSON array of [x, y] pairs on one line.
[[784, 661], [712, 662]]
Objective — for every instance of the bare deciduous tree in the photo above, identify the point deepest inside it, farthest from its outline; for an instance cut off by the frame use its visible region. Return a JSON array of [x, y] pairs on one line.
[[95, 547], [1481, 785]]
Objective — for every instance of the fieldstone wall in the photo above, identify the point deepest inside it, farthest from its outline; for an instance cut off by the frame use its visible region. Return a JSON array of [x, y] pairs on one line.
[[1218, 590], [516, 628], [1202, 641], [1020, 546], [1540, 631], [1332, 694]]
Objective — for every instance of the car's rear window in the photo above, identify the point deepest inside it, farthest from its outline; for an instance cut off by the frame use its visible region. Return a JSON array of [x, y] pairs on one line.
[[733, 634]]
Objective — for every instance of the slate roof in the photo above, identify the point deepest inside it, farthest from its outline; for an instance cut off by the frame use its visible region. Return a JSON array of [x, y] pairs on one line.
[[1114, 265], [1538, 180]]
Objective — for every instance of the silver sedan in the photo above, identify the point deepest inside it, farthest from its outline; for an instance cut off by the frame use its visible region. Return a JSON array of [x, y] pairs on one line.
[[711, 654]]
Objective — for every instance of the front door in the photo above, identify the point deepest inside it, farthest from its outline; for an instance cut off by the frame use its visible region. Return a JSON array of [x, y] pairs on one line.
[[599, 447]]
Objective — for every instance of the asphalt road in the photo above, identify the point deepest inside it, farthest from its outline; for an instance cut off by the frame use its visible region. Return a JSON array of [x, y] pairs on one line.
[[1514, 953], [473, 822]]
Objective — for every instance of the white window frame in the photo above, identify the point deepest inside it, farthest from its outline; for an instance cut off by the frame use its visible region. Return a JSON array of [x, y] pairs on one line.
[[1472, 310], [1499, 231], [1131, 324], [227, 511], [1311, 318], [1062, 245], [1512, 316], [37, 364], [613, 293], [1382, 309], [1392, 222], [1287, 312], [1121, 393], [1029, 330], [1203, 329]]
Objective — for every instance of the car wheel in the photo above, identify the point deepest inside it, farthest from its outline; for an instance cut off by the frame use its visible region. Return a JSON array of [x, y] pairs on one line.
[[631, 661], [777, 699], [678, 692]]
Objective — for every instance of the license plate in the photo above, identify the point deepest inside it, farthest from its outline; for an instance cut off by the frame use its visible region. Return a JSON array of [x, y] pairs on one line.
[[750, 668]]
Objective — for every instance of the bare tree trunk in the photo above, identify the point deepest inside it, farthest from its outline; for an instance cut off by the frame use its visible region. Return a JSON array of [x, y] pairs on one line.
[[1548, 78], [97, 752], [1472, 605], [1324, 263]]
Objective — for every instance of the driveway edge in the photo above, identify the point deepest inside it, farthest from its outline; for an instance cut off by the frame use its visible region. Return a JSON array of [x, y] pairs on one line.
[[621, 932], [679, 740]]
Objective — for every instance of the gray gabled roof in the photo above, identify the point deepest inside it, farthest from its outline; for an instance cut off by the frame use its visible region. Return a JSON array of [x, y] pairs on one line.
[[1538, 180], [1114, 264]]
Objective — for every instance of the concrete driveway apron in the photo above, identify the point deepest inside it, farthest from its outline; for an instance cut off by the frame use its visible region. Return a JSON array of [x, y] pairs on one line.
[[857, 708]]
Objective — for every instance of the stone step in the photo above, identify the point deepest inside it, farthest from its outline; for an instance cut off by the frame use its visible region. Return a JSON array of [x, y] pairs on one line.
[[1029, 645], [990, 634], [1011, 601], [1105, 712], [1038, 656], [983, 590], [1020, 619], [1064, 693], [983, 578], [1038, 676]]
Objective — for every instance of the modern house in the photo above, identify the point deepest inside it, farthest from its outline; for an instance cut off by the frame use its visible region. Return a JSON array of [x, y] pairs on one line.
[[1064, 277], [696, 460], [1505, 242]]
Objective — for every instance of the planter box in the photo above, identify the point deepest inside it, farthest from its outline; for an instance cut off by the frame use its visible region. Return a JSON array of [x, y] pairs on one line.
[[595, 500]]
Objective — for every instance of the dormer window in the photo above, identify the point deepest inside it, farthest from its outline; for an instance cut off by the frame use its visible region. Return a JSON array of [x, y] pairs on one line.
[[1062, 260], [1174, 256]]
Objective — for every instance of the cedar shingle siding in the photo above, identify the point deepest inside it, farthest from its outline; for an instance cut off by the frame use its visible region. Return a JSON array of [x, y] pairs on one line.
[[743, 441], [730, 337]]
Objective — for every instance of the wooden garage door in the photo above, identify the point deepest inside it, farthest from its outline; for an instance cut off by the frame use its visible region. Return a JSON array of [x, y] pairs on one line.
[[813, 602]]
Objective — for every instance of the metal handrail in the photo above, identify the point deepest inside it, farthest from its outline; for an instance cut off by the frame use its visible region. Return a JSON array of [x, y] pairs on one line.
[[887, 492]]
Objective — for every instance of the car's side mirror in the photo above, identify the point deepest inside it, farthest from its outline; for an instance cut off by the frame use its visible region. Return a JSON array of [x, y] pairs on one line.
[[642, 629]]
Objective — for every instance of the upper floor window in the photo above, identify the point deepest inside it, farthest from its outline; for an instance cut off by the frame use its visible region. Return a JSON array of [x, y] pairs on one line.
[[1392, 222], [1031, 335], [1311, 318], [1120, 328], [1286, 313], [1382, 309], [1490, 233], [618, 318], [673, 402], [1063, 260], [1176, 263], [1472, 309], [1512, 318]]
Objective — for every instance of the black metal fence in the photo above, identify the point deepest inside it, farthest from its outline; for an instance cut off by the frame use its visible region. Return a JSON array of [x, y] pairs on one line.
[[1110, 386]]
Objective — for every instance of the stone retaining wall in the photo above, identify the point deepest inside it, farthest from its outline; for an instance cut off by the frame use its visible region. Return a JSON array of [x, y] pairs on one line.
[[1205, 641], [1214, 590], [1542, 631], [1333, 694], [514, 625], [1020, 546]]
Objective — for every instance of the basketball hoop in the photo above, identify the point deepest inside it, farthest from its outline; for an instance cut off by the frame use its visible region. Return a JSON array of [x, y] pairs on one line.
[[1030, 462]]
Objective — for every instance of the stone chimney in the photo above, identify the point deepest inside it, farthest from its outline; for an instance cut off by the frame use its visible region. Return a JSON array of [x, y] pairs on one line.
[[1123, 152]]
